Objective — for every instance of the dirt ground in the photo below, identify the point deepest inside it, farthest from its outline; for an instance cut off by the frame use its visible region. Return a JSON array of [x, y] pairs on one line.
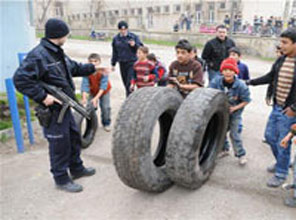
[[233, 192]]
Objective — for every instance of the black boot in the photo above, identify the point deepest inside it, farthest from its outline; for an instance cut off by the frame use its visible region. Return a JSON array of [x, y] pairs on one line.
[[86, 172], [70, 187]]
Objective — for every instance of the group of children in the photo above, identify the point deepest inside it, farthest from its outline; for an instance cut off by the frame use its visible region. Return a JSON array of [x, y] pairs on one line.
[[185, 74]]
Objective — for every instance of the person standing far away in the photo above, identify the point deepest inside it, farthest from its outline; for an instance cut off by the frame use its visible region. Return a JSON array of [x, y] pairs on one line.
[[124, 51], [216, 50]]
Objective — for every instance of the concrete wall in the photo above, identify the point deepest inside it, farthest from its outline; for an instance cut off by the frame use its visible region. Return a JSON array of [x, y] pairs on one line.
[[250, 45], [17, 35]]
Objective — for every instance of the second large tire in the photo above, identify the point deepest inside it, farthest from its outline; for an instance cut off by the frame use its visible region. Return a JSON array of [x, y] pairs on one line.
[[197, 135], [88, 134], [134, 163]]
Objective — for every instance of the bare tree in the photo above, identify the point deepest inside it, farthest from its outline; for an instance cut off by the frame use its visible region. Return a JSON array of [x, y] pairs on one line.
[[44, 8]]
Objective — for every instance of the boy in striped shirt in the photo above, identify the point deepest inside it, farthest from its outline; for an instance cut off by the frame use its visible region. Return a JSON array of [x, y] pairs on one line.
[[144, 74]]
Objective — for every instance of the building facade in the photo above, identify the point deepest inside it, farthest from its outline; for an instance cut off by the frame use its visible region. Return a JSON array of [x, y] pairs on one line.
[[156, 15]]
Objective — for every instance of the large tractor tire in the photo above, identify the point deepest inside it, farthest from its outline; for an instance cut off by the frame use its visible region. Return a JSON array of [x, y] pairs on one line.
[[136, 166], [196, 137], [87, 127]]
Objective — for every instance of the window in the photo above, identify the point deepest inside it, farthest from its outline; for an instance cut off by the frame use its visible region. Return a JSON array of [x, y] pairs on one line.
[[157, 9], [125, 12], [198, 17], [222, 5], [116, 12], [211, 6], [198, 7], [140, 12], [110, 13], [177, 8], [188, 7], [132, 11], [96, 14], [78, 17], [150, 10], [211, 16], [84, 15], [166, 9]]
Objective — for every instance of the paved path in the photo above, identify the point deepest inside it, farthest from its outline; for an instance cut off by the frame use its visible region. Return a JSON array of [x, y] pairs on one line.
[[28, 192]]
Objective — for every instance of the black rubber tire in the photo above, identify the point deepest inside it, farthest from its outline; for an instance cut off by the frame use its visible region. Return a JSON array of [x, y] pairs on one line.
[[88, 135], [132, 135], [197, 135]]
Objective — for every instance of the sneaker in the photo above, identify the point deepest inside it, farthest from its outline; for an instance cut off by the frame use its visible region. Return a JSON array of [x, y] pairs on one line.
[[242, 160], [223, 153], [287, 186], [275, 182], [107, 128], [264, 141], [70, 187], [290, 202], [271, 168], [86, 172]]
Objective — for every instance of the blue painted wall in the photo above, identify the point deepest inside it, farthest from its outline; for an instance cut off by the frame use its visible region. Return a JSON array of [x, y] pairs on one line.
[[17, 35]]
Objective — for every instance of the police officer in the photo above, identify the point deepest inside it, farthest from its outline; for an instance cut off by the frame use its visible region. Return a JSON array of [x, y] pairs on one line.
[[124, 50], [47, 62]]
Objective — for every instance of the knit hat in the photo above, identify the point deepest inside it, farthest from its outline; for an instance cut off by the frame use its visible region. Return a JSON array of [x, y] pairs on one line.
[[122, 24], [56, 28], [229, 63]]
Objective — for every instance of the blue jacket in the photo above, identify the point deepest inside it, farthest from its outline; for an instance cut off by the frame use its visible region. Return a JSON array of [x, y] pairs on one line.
[[238, 93], [47, 62], [122, 51], [243, 71]]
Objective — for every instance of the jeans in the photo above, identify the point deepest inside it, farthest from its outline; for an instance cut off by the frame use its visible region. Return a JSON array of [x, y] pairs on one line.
[[235, 138], [278, 126], [240, 125], [105, 109], [212, 74]]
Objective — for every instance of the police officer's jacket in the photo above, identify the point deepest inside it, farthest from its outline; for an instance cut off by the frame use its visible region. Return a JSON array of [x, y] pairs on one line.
[[47, 62], [122, 51]]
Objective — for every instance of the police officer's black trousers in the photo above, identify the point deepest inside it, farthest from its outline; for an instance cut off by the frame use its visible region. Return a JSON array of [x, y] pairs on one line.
[[127, 71], [64, 147]]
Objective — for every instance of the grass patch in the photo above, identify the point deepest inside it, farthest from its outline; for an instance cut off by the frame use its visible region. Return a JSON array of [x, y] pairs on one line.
[[5, 116], [5, 124], [269, 59]]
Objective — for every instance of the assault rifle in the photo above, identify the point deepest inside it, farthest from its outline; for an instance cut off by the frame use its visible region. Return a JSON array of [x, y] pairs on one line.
[[66, 100]]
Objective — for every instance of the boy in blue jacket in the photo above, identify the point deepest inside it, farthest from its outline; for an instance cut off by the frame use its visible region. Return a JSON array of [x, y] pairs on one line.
[[238, 96]]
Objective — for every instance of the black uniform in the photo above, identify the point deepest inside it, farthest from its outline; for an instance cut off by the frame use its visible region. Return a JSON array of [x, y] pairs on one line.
[[126, 55], [48, 63]]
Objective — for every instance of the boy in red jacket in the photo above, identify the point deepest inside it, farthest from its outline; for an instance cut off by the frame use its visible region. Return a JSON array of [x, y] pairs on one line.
[[98, 86]]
